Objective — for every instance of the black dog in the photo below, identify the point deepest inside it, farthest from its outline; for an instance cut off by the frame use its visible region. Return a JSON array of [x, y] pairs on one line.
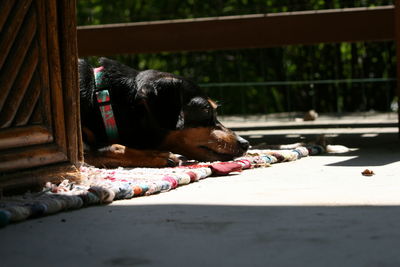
[[136, 118]]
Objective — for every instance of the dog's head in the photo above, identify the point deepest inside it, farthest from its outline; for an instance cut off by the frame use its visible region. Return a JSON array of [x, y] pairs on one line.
[[177, 109], [199, 135], [191, 117]]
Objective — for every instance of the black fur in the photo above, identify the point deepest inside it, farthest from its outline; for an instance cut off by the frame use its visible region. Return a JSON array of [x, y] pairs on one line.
[[147, 105]]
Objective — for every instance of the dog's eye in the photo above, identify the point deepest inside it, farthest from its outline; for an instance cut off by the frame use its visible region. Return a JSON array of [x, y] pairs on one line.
[[199, 112]]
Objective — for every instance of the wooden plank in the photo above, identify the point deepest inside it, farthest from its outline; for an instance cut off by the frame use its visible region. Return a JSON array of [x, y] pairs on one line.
[[234, 32], [19, 89], [69, 59], [14, 22], [48, 17], [42, 113], [17, 55], [29, 157], [30, 101], [24, 136], [5, 8], [37, 153], [37, 116]]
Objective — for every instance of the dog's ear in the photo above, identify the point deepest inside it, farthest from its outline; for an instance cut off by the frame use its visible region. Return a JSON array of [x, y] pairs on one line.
[[118, 74], [162, 86], [165, 82], [162, 99], [86, 82], [167, 89]]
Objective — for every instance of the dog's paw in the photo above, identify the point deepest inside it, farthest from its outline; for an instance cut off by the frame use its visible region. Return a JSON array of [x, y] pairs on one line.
[[117, 155], [171, 160], [184, 161]]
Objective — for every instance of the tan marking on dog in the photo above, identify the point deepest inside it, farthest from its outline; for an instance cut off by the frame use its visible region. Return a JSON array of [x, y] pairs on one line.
[[220, 143], [89, 135], [213, 104], [118, 155]]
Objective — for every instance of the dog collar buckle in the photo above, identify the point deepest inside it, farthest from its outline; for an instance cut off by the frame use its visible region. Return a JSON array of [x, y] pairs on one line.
[[104, 101]]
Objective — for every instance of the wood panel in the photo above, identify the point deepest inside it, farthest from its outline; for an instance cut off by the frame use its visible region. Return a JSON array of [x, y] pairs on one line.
[[5, 8], [24, 136], [71, 79], [20, 88], [28, 157], [12, 23], [54, 73], [38, 132], [30, 100], [21, 45]]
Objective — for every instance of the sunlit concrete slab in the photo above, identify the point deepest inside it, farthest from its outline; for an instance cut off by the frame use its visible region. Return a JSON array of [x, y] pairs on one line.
[[318, 211]]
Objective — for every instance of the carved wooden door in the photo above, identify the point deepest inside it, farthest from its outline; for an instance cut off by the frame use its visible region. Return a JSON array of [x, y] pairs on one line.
[[39, 96]]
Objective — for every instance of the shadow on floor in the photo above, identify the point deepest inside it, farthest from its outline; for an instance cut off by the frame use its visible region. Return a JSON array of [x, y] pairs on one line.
[[368, 151], [370, 157], [203, 235], [349, 140]]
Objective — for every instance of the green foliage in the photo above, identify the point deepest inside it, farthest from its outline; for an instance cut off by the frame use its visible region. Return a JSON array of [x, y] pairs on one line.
[[292, 63]]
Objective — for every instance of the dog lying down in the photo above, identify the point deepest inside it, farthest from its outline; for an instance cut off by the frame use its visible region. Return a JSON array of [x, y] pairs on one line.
[[136, 118]]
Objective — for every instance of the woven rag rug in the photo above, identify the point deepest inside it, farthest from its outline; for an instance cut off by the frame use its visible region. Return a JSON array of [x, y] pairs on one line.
[[103, 186]]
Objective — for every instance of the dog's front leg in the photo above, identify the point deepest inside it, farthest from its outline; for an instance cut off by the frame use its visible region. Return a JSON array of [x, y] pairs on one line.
[[121, 156]]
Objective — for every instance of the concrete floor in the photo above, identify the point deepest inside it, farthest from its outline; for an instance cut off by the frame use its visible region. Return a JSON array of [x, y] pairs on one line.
[[318, 211]]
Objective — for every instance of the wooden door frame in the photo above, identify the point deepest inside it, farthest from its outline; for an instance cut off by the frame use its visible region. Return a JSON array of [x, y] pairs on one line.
[[35, 154]]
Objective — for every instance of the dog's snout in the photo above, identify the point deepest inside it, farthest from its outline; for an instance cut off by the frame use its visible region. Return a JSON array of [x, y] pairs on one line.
[[243, 143]]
